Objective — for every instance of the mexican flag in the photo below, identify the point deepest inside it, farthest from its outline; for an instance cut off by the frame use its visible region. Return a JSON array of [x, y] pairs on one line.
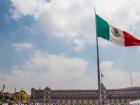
[[115, 35]]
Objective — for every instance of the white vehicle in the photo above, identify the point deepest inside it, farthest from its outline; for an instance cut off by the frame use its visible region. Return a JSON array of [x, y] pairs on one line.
[[137, 102]]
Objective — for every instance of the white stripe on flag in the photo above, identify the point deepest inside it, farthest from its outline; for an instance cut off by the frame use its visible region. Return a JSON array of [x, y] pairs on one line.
[[116, 36]]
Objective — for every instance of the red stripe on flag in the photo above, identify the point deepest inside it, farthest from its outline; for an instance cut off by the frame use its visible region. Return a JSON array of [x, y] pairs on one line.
[[130, 40]]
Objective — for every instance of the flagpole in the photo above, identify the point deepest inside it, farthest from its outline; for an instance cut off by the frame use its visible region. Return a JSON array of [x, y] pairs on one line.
[[131, 82], [98, 65]]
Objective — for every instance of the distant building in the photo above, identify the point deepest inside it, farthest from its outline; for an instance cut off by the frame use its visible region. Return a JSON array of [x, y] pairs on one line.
[[85, 97], [21, 96], [5, 96]]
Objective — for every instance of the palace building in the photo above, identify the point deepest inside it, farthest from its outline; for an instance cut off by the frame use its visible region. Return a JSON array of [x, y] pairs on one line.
[[120, 96]]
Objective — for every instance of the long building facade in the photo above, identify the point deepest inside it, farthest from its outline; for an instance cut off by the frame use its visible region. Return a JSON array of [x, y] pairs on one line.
[[85, 97]]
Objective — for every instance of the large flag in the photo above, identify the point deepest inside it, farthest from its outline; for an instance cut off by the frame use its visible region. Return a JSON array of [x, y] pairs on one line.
[[115, 35]]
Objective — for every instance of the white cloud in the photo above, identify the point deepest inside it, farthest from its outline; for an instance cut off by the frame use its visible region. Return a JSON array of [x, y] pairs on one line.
[[28, 7], [49, 70], [79, 44], [72, 20], [22, 46], [118, 78], [60, 72]]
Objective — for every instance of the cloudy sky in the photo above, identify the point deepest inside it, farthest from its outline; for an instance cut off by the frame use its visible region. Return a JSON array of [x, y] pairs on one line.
[[52, 43]]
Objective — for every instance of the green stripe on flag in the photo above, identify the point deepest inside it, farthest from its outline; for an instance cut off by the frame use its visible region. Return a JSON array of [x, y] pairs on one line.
[[102, 28]]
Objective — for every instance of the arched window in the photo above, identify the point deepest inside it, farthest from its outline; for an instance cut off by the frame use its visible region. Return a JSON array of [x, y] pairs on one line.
[[22, 97]]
